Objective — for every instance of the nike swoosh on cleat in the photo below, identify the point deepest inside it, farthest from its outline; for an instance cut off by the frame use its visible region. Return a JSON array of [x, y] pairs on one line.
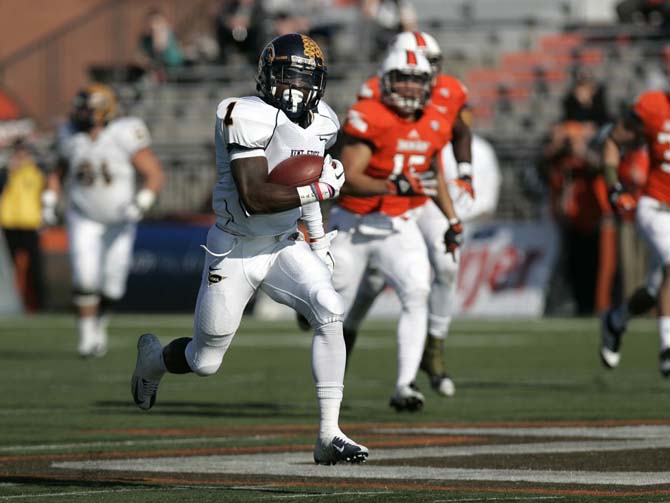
[[340, 449]]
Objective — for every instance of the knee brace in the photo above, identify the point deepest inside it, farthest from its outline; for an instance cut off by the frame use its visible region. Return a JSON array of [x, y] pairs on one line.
[[325, 305]]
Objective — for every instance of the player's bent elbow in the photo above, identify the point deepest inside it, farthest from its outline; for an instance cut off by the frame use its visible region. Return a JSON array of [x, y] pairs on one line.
[[254, 206]]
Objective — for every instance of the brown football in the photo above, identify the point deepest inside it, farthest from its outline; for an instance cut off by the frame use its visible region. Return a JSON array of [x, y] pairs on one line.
[[297, 171]]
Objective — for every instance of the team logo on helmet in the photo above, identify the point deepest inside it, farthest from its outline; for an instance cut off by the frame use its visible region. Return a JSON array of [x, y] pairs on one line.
[[312, 50], [269, 54]]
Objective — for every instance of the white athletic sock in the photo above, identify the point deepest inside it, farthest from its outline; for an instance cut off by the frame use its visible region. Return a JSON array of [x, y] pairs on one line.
[[411, 335], [87, 333], [328, 361], [440, 304], [664, 331], [102, 325]]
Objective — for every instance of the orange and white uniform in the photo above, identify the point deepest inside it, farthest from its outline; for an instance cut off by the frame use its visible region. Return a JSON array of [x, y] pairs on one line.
[[448, 97], [381, 232], [398, 146], [653, 211]]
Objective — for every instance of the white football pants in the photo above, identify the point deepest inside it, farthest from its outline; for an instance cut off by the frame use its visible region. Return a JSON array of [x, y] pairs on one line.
[[100, 256], [289, 272], [397, 250], [653, 220], [433, 225]]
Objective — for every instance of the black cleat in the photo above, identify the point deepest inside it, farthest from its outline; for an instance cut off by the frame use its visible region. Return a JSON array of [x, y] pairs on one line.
[[407, 398]]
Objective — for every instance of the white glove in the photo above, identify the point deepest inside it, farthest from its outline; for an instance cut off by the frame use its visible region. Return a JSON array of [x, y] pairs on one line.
[[332, 175], [144, 199], [49, 202], [321, 247]]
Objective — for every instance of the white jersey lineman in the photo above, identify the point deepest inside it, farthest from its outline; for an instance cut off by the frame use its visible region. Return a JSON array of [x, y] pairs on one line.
[[101, 174], [101, 186]]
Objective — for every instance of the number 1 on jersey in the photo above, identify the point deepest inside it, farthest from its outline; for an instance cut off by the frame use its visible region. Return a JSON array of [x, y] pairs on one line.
[[228, 119]]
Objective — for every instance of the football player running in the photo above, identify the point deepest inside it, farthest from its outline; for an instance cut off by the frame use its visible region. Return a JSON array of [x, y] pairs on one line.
[[99, 161], [648, 121], [449, 97], [255, 243], [391, 142]]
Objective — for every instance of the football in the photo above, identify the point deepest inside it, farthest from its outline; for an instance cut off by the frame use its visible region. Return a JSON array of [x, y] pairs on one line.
[[297, 171]]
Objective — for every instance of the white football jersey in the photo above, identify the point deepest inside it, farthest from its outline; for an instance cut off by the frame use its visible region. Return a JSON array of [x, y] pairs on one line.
[[250, 123], [101, 176]]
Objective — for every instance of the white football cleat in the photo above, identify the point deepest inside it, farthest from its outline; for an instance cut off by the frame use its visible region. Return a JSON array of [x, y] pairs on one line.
[[443, 385], [339, 448], [145, 380], [610, 342], [89, 345]]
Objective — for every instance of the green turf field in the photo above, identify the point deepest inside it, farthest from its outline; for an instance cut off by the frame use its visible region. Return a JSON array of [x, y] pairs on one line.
[[66, 421]]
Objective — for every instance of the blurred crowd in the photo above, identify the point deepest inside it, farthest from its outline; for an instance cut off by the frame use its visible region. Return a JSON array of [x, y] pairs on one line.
[[240, 28], [601, 258]]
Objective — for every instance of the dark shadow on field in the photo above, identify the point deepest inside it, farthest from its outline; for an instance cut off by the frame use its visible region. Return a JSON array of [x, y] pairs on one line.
[[211, 409], [50, 481]]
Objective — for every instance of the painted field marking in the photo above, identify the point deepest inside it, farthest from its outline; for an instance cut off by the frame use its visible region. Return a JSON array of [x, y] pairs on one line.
[[88, 493], [624, 432], [506, 498], [328, 495], [134, 443], [296, 464]]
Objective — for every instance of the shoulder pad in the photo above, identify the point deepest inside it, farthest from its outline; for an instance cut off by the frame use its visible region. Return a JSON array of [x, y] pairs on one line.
[[450, 88], [131, 133], [369, 89], [649, 102], [324, 110], [367, 119], [248, 121]]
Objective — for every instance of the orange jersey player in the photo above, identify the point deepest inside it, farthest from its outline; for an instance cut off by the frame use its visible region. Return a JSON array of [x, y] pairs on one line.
[[448, 95], [390, 143], [647, 122]]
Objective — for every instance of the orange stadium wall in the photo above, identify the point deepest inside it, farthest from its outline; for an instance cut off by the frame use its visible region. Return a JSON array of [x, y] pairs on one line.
[[47, 46]]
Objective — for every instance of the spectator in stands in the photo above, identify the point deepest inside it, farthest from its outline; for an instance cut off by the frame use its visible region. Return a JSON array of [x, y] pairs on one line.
[[158, 46], [578, 200], [652, 12], [21, 185], [585, 100], [389, 17], [238, 28], [287, 16]]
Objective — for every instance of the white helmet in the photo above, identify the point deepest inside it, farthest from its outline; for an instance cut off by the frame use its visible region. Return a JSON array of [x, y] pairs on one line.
[[401, 66], [422, 42]]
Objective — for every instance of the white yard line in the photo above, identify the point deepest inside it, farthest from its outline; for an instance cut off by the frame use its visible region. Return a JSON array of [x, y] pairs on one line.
[[132, 443], [502, 498], [297, 464], [322, 495]]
